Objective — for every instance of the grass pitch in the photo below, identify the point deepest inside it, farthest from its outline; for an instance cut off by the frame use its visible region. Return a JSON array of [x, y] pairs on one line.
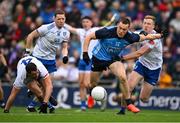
[[19, 114]]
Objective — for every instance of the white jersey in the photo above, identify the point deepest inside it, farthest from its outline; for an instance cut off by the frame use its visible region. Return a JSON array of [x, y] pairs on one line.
[[82, 33], [152, 60], [49, 41], [21, 70]]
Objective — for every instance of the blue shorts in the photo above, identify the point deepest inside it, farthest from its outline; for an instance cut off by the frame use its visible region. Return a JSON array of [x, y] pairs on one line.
[[150, 76], [82, 66], [49, 64]]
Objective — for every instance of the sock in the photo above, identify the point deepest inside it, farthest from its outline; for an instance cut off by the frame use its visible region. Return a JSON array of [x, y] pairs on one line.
[[32, 103], [128, 101], [122, 109], [83, 103], [50, 105], [1, 101]]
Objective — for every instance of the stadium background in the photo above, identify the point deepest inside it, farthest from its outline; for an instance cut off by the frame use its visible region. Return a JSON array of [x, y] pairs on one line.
[[19, 17]]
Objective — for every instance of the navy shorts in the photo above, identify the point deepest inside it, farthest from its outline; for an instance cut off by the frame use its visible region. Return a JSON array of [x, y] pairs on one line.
[[150, 76], [82, 66], [100, 65]]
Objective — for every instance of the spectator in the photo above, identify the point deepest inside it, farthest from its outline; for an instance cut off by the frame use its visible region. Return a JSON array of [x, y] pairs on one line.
[[87, 11], [165, 80], [176, 73], [176, 22]]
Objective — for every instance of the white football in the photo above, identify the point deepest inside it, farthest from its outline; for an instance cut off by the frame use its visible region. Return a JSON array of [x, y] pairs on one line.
[[98, 93]]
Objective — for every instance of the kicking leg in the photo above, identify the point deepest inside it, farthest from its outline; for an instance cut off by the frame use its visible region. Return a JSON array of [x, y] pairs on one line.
[[93, 82], [121, 74]]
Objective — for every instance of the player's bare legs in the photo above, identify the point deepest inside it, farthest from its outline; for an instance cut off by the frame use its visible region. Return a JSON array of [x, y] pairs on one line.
[[33, 86], [33, 103], [2, 104], [133, 80], [93, 82], [84, 81], [94, 78], [146, 91], [1, 92], [121, 74]]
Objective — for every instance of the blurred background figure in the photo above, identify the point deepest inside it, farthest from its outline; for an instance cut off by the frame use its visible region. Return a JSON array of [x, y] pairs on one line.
[[3, 74], [165, 80]]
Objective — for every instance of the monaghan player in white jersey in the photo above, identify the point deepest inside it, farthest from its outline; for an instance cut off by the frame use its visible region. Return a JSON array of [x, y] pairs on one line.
[[49, 38], [84, 69], [31, 73], [149, 64]]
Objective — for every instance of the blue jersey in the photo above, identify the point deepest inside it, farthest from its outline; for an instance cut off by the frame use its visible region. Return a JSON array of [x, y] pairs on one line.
[[110, 45]]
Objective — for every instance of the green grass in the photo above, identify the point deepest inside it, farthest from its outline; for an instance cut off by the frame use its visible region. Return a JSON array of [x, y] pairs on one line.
[[18, 114]]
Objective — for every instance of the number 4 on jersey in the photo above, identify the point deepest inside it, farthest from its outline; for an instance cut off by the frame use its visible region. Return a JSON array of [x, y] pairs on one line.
[[26, 61]]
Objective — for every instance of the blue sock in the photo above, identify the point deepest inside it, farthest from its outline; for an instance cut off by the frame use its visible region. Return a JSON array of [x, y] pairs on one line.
[[1, 101], [50, 105], [83, 103], [123, 109], [32, 103]]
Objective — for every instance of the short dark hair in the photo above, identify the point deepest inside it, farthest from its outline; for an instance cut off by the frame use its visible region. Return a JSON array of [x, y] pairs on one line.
[[31, 67], [125, 20], [86, 17], [59, 11]]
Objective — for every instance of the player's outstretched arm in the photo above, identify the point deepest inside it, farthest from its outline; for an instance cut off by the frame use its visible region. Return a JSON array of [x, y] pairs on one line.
[[11, 99], [34, 34], [70, 28], [163, 34], [150, 37], [47, 84], [86, 45], [87, 41], [134, 55]]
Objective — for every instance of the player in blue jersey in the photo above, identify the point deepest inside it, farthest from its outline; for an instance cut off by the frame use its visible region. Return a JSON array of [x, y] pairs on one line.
[[49, 38], [112, 40], [84, 69]]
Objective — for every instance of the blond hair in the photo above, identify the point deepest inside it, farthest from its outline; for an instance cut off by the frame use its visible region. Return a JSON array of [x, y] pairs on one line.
[[150, 17]]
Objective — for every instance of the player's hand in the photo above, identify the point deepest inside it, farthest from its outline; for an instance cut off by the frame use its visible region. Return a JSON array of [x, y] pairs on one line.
[[86, 57], [27, 52], [43, 108], [164, 33], [144, 33], [65, 59]]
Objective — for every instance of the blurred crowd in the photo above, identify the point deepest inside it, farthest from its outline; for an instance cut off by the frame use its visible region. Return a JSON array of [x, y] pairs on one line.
[[19, 17]]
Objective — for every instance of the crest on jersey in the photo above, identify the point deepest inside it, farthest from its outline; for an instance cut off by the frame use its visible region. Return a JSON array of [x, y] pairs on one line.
[[58, 34], [64, 33]]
